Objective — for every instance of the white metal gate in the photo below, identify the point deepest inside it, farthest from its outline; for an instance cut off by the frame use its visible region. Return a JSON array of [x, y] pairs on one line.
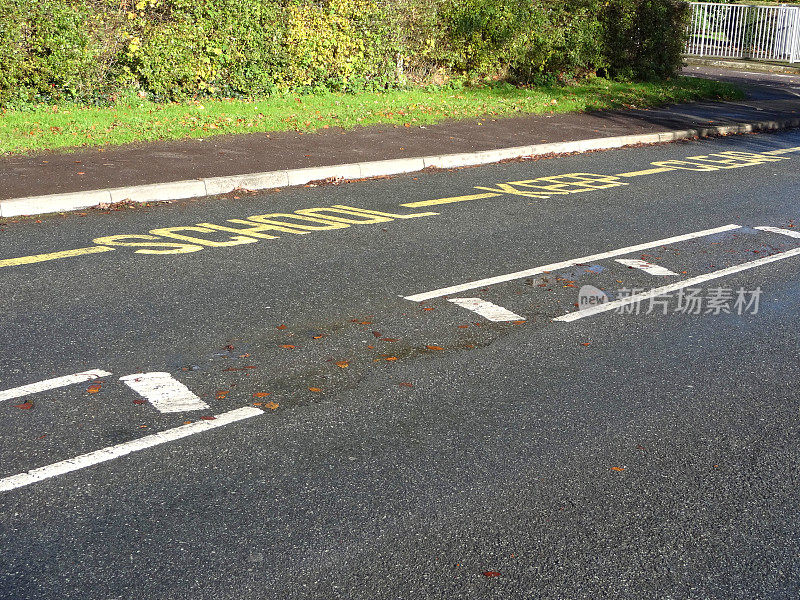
[[739, 31]]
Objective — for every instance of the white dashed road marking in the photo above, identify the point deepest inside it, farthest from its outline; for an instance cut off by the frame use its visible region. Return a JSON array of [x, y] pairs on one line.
[[645, 266], [666, 289], [52, 384], [165, 393], [488, 310], [789, 232], [112, 452], [565, 264]]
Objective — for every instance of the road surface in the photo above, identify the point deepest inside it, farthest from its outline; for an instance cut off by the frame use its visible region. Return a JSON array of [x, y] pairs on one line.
[[566, 378]]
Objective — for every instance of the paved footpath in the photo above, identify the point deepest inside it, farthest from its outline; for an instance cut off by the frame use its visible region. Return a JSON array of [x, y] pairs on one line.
[[770, 98]]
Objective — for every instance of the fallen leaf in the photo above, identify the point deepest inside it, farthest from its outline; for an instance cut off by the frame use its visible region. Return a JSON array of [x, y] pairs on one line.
[[391, 358], [371, 347], [261, 394], [406, 384], [316, 337], [222, 394], [617, 468], [434, 348], [24, 405], [208, 418], [427, 308], [94, 388], [272, 405], [492, 573], [343, 364], [586, 343], [287, 346], [463, 326], [314, 390], [228, 347], [281, 327], [244, 356], [140, 401], [389, 339], [377, 333], [518, 322]]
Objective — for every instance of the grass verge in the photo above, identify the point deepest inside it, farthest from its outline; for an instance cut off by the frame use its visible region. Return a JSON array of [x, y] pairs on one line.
[[45, 127]]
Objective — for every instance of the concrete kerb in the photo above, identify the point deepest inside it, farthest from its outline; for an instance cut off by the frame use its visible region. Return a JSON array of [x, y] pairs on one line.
[[213, 186]]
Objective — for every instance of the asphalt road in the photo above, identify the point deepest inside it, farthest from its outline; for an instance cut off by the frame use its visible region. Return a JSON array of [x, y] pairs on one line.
[[374, 439]]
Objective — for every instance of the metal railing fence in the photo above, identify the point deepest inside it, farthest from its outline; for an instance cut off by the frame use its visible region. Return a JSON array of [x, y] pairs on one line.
[[741, 31]]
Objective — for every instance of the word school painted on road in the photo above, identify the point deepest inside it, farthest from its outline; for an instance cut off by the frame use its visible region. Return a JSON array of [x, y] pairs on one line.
[[184, 239], [193, 238]]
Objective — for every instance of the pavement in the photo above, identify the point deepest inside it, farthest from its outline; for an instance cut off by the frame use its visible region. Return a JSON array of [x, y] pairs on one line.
[[771, 100], [406, 402]]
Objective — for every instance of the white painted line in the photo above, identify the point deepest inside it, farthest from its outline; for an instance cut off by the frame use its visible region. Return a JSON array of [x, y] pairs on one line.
[[486, 309], [636, 263], [112, 452], [455, 289], [789, 232], [674, 287], [164, 392], [52, 384]]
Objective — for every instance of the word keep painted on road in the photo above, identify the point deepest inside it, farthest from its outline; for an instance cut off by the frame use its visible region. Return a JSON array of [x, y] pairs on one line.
[[183, 239], [574, 183]]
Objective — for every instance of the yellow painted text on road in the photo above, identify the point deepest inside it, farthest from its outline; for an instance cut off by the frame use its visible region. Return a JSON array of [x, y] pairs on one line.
[[184, 239]]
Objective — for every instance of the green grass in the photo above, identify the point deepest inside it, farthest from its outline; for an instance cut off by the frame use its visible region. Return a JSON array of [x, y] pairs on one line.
[[44, 127]]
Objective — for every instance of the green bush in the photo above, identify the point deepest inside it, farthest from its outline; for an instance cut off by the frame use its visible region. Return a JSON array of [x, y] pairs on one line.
[[644, 39], [56, 50]]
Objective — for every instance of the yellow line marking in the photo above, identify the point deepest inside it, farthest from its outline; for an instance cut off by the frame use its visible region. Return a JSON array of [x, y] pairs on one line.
[[36, 258], [449, 200], [645, 172], [783, 151]]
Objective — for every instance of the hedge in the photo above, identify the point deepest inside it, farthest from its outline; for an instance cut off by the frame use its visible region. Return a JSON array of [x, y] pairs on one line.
[[91, 50]]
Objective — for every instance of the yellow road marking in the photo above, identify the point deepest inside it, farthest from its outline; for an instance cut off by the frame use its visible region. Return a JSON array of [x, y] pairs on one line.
[[645, 172], [783, 150], [27, 260], [449, 200]]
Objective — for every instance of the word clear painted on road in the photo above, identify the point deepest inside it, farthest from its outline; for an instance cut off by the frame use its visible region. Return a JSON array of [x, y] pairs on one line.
[[166, 394], [637, 263], [573, 183], [486, 309], [52, 384], [112, 452]]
